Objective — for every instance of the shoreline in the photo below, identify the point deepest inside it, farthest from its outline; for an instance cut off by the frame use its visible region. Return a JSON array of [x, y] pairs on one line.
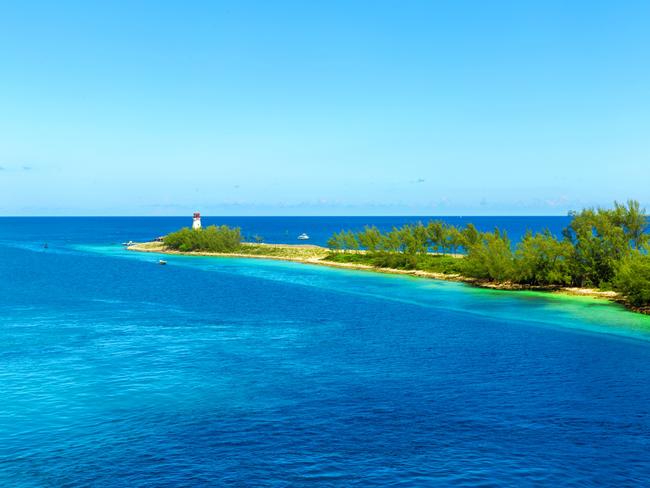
[[610, 296]]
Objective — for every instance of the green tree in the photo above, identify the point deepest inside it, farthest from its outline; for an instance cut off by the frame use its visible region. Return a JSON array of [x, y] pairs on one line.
[[490, 258], [391, 242], [335, 243], [370, 238], [436, 233], [413, 239], [406, 241], [541, 259], [633, 279], [181, 240], [470, 236], [634, 221], [420, 238], [350, 240], [599, 244], [454, 238]]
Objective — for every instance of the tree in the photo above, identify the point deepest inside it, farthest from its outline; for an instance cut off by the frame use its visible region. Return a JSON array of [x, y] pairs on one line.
[[335, 243], [391, 241], [436, 233], [470, 236], [407, 243], [420, 238], [370, 238], [413, 239], [599, 244], [541, 259], [490, 258], [350, 240], [453, 238], [634, 221], [181, 240], [633, 279]]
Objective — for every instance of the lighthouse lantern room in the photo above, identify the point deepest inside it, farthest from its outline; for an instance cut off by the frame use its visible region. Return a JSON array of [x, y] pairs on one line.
[[196, 221]]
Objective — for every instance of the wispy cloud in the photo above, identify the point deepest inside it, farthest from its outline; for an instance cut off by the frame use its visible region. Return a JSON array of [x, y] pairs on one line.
[[173, 206], [15, 167]]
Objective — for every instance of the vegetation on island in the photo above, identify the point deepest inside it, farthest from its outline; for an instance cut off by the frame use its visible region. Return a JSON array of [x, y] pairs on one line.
[[209, 239], [600, 248], [228, 240]]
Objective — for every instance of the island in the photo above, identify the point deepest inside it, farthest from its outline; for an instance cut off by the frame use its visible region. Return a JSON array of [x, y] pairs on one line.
[[602, 253]]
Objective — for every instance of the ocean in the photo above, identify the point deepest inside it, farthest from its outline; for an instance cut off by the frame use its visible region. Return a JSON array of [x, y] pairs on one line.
[[115, 371], [274, 230]]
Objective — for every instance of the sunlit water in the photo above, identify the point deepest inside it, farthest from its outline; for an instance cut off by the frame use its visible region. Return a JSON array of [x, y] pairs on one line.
[[115, 371]]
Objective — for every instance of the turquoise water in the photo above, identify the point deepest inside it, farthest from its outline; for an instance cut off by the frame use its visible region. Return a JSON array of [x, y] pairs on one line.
[[116, 371]]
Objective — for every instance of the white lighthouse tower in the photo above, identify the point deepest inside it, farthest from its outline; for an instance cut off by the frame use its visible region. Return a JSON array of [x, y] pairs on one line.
[[196, 221]]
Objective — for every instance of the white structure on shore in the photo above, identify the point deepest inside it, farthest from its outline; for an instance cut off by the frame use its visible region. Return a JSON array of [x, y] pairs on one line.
[[196, 221]]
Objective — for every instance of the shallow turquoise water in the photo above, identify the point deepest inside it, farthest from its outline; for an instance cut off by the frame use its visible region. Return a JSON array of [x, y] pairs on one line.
[[119, 372]]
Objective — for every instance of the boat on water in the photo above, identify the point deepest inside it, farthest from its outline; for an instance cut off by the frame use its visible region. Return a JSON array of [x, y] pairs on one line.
[[162, 261], [303, 237], [127, 244]]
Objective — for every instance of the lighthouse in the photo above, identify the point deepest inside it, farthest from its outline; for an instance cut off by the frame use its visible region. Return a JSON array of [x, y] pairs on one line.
[[196, 221]]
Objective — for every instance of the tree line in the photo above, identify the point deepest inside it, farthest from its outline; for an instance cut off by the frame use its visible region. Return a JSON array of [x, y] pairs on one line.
[[601, 248], [208, 239]]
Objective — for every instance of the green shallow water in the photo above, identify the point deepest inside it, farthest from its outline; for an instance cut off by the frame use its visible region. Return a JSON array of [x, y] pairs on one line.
[[551, 309]]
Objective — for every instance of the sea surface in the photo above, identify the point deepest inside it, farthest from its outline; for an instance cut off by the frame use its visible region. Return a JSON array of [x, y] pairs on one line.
[[116, 371]]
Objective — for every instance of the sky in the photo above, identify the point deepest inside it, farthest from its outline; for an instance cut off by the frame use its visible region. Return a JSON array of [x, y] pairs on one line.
[[323, 107]]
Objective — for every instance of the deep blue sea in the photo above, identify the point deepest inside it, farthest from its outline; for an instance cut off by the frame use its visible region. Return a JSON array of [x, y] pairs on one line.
[[115, 371]]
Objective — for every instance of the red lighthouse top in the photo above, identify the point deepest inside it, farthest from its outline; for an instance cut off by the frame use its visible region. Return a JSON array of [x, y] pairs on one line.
[[197, 215]]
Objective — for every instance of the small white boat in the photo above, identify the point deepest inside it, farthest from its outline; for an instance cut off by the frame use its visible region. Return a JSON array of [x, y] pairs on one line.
[[162, 261], [303, 237]]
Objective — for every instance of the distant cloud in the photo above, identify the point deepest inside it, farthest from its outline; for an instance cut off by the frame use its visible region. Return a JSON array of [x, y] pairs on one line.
[[16, 168], [557, 202], [418, 181], [174, 206]]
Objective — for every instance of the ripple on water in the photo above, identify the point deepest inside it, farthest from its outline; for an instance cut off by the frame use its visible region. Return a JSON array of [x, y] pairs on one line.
[[118, 372]]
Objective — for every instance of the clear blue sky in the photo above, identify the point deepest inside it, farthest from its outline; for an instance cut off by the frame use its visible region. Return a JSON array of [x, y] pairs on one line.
[[323, 107]]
